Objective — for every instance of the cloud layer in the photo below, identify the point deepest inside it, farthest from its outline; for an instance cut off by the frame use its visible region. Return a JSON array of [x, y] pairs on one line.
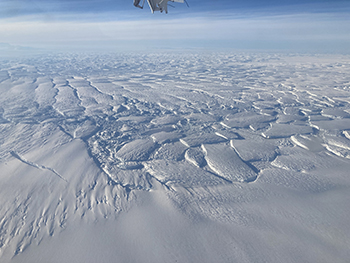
[[300, 31]]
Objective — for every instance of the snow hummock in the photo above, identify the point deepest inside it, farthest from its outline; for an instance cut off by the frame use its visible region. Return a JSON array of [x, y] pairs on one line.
[[224, 161]]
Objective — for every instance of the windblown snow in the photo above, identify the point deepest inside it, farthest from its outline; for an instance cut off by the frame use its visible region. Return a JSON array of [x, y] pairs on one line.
[[175, 158]]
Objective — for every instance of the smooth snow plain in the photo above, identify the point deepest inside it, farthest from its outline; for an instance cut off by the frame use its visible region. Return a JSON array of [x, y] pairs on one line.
[[175, 158]]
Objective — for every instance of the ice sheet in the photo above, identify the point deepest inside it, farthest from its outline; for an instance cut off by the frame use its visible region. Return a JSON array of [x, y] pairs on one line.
[[175, 157]]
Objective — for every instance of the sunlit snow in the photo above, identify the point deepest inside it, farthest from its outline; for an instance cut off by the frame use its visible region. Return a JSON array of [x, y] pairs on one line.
[[175, 158]]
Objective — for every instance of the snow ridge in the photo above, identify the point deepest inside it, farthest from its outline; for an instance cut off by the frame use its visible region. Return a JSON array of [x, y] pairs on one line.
[[38, 166]]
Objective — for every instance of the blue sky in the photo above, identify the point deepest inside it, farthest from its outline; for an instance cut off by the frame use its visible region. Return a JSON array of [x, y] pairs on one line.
[[22, 7], [116, 25]]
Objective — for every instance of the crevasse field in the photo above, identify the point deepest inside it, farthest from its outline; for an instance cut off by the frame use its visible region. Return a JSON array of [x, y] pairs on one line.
[[175, 158]]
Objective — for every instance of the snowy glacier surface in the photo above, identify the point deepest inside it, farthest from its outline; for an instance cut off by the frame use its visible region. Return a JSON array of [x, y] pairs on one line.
[[175, 158]]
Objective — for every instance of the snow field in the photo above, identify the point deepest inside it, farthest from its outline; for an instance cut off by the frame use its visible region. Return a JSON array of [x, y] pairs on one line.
[[175, 158]]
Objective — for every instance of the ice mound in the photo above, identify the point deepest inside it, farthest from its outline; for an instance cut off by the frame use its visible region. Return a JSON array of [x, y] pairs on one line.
[[171, 151], [300, 160], [165, 128], [128, 176], [45, 92], [196, 157], [165, 120], [225, 162], [137, 150], [166, 137], [227, 134], [135, 119], [85, 129], [282, 118], [286, 130], [337, 124], [338, 141], [255, 149], [244, 119], [201, 118], [311, 143], [338, 145], [67, 102], [198, 140], [335, 113], [181, 173]]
